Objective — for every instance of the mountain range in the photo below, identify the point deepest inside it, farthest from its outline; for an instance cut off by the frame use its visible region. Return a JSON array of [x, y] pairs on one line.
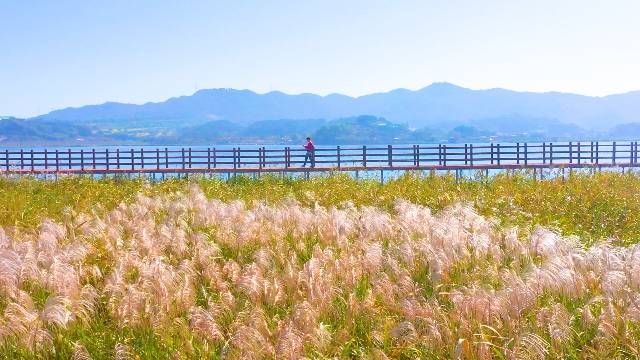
[[439, 112], [434, 105]]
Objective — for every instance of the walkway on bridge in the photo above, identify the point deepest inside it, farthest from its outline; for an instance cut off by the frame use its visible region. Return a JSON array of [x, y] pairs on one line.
[[592, 154]]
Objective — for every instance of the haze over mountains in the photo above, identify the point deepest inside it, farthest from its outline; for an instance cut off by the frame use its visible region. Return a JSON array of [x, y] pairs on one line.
[[434, 104], [436, 111]]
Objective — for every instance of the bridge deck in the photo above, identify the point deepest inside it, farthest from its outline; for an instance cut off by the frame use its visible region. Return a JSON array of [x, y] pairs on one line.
[[340, 158], [204, 170]]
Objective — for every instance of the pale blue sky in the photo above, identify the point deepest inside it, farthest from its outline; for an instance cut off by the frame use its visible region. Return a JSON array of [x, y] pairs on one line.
[[55, 54]]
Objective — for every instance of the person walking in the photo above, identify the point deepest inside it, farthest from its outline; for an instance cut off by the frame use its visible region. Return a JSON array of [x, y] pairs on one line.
[[310, 153]]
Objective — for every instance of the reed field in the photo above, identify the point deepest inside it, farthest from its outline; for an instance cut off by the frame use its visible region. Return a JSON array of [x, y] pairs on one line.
[[422, 267]]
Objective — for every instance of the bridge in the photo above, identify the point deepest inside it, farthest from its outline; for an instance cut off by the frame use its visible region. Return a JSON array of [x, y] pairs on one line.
[[261, 159]]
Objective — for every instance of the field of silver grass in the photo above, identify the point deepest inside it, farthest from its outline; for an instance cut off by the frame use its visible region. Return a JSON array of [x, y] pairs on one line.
[[234, 280]]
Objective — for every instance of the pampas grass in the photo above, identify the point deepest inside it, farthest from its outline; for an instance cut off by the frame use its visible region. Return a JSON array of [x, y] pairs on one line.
[[186, 275]]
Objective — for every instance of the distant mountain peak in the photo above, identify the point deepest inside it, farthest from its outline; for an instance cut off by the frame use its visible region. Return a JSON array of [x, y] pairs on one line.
[[443, 86], [217, 91]]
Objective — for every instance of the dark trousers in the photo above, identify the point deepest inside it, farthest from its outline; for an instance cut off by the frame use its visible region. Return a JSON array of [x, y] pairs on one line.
[[310, 156]]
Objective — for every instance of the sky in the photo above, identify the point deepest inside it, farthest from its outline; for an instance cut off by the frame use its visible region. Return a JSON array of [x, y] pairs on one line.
[[56, 54]]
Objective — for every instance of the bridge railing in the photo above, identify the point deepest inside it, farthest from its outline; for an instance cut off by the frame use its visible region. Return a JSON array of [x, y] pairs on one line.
[[257, 158]]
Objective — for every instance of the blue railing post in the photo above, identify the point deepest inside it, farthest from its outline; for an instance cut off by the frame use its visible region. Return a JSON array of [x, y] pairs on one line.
[[364, 155], [613, 153], [465, 154], [491, 153], [444, 154]]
